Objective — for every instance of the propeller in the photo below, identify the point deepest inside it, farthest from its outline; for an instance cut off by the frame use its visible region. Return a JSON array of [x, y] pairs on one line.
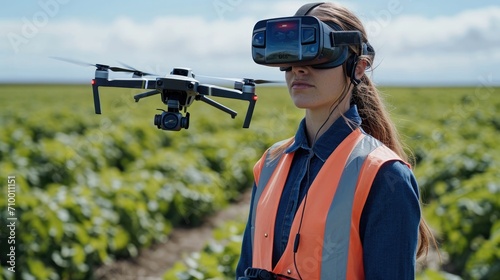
[[137, 72], [256, 81], [259, 81], [98, 66]]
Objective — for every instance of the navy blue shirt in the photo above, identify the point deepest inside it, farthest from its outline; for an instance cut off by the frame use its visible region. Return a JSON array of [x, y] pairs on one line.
[[390, 217]]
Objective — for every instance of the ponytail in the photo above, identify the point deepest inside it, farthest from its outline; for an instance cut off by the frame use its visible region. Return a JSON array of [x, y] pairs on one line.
[[375, 117], [377, 123]]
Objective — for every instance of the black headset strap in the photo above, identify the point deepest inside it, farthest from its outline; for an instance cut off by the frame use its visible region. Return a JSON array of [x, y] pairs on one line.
[[304, 10]]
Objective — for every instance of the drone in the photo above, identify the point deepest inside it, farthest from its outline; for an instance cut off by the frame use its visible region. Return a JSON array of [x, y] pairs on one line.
[[178, 90]]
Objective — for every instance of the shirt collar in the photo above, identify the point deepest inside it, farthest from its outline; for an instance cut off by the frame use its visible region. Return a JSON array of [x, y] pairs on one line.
[[329, 140]]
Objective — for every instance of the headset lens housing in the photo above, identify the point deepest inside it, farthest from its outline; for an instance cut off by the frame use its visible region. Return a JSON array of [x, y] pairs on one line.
[[301, 40]]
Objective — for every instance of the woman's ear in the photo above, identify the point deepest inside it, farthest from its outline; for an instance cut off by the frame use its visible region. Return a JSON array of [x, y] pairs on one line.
[[360, 68]]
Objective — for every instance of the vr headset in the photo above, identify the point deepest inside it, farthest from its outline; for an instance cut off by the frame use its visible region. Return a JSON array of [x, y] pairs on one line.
[[303, 40]]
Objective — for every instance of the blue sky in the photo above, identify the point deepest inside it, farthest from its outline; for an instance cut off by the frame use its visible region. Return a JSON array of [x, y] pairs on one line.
[[418, 42]]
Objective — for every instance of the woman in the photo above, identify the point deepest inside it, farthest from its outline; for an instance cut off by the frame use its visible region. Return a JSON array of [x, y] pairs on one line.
[[338, 200]]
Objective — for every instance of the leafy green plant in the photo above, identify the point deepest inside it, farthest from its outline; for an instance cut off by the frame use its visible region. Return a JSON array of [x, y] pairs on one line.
[[91, 189]]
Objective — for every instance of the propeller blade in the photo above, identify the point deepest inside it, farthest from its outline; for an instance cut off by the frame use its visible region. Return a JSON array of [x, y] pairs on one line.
[[258, 81], [220, 78], [119, 69], [126, 65], [99, 66], [81, 63], [136, 71]]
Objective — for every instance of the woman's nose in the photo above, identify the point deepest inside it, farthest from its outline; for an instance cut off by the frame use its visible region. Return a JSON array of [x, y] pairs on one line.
[[300, 69]]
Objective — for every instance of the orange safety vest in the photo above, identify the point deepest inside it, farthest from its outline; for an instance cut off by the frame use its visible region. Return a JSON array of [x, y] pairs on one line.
[[330, 246]]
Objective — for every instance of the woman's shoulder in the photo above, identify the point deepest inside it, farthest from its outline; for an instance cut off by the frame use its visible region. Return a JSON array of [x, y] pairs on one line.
[[393, 169], [395, 177]]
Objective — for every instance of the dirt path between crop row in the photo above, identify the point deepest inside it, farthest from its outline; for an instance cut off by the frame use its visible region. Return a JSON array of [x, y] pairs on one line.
[[153, 262]]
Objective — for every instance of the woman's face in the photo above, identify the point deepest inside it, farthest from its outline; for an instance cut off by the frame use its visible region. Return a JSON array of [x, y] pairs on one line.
[[315, 89]]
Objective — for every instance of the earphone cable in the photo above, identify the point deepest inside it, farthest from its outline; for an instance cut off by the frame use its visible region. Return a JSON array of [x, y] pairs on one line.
[[309, 158]]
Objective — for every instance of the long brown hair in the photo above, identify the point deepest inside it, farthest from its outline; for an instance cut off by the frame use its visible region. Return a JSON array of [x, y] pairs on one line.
[[374, 115]]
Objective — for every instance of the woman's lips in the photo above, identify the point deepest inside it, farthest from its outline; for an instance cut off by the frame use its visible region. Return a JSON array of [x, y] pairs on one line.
[[301, 85]]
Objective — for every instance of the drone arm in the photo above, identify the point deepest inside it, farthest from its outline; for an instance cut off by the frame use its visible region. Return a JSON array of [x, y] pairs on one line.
[[220, 91], [125, 83]]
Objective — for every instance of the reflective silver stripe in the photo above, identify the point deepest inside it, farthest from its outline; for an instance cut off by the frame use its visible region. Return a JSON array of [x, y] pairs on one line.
[[265, 174], [338, 222]]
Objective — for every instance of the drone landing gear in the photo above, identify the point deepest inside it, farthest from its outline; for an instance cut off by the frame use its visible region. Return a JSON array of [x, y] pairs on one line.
[[138, 97], [217, 105]]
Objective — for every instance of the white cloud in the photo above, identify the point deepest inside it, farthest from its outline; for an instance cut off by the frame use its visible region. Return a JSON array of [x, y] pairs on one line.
[[474, 30], [415, 46], [465, 44], [169, 41]]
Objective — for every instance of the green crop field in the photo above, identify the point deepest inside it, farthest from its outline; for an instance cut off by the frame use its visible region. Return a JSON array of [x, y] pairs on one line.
[[90, 189]]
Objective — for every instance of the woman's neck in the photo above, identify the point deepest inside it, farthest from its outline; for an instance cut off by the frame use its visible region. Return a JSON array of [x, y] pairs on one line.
[[318, 121]]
